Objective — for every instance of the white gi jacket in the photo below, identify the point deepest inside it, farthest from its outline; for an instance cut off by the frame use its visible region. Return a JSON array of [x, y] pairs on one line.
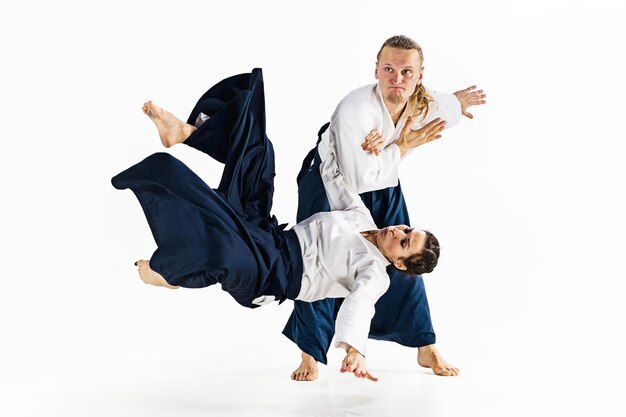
[[343, 264], [356, 115], [339, 262]]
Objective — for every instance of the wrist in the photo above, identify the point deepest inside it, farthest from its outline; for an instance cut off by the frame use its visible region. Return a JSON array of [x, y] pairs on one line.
[[401, 144], [353, 350]]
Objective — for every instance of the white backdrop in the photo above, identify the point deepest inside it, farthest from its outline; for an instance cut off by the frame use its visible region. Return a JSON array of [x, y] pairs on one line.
[[527, 200]]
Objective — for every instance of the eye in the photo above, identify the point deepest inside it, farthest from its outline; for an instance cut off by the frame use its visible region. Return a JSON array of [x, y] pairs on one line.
[[388, 69], [408, 72], [403, 242]]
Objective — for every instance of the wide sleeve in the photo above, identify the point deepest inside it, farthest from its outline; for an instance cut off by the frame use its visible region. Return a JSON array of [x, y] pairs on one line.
[[445, 106], [341, 196], [364, 171], [355, 314]]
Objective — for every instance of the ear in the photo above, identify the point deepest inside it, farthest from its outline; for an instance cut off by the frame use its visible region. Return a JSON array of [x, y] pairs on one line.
[[421, 74], [400, 265], [376, 71]]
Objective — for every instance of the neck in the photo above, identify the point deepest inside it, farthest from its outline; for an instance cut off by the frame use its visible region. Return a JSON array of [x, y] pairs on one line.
[[370, 235], [395, 110]]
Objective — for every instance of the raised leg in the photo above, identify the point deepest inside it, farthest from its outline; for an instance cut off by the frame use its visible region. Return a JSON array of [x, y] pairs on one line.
[[171, 129]]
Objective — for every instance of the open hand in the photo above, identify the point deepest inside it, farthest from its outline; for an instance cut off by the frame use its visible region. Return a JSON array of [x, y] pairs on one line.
[[413, 138], [468, 98], [355, 362]]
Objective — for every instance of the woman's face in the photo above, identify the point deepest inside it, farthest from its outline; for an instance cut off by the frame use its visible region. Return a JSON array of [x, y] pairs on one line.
[[398, 242]]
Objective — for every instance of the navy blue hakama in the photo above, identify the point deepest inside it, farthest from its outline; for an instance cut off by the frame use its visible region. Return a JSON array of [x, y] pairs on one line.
[[402, 313], [227, 235]]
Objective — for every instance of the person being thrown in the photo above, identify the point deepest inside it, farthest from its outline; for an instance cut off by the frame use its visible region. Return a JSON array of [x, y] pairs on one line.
[[228, 236]]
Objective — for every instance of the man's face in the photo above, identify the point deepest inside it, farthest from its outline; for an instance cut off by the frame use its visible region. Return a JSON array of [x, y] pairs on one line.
[[399, 242], [399, 72]]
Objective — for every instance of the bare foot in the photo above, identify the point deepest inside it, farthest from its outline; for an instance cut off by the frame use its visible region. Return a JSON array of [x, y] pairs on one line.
[[151, 277], [429, 357], [171, 129], [307, 371]]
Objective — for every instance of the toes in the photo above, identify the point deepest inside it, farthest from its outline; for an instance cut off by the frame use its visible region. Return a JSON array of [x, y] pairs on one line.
[[441, 371]]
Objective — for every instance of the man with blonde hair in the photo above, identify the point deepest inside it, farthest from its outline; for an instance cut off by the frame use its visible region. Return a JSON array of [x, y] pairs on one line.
[[371, 131]]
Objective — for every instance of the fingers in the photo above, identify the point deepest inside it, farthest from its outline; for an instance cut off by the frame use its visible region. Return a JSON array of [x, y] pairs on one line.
[[364, 373], [356, 366], [349, 364], [433, 127], [468, 115], [371, 377], [374, 142], [372, 134], [476, 98], [407, 126], [425, 134], [347, 368], [430, 127]]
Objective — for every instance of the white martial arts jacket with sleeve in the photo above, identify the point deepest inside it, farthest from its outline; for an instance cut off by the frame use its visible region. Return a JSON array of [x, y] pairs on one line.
[[356, 115], [338, 262]]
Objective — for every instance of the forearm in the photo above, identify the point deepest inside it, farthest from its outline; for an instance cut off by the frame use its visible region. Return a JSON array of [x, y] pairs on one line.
[[447, 107], [402, 146], [368, 172]]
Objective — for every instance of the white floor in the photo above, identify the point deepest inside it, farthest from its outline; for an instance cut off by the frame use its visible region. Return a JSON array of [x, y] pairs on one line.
[[156, 352], [528, 200]]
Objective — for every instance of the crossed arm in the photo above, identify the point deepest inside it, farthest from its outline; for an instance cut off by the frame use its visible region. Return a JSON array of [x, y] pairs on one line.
[[374, 142]]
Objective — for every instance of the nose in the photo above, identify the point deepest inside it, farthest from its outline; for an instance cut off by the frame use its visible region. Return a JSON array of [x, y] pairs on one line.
[[397, 79]]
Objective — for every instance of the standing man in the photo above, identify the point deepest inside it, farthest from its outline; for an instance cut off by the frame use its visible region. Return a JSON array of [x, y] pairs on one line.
[[371, 132]]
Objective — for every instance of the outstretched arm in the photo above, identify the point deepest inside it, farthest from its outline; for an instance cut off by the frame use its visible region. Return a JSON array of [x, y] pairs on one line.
[[355, 314], [444, 106]]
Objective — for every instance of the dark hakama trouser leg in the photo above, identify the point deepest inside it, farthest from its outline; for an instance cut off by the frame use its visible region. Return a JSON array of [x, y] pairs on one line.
[[402, 313], [226, 235]]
